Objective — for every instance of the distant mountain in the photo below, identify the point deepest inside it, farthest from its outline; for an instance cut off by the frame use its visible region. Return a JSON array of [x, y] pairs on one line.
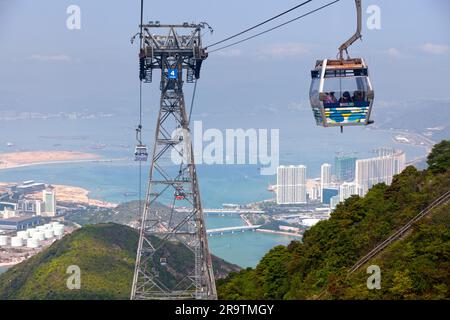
[[105, 254], [416, 266], [415, 116]]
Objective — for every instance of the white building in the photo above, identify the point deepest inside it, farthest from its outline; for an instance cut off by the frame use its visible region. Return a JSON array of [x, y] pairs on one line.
[[49, 199], [334, 202], [39, 205], [8, 213], [346, 190], [291, 184], [313, 189], [370, 172], [30, 206], [325, 176]]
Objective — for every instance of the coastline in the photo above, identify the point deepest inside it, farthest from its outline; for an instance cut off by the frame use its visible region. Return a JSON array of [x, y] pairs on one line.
[[12, 160], [78, 195], [36, 158], [243, 217], [65, 193], [3, 269], [71, 195], [60, 162], [8, 265], [280, 232]]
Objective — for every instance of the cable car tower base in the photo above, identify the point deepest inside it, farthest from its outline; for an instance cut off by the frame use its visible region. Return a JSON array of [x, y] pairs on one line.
[[173, 259]]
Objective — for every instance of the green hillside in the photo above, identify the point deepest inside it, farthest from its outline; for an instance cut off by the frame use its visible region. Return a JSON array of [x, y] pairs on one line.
[[125, 213], [415, 267], [105, 254]]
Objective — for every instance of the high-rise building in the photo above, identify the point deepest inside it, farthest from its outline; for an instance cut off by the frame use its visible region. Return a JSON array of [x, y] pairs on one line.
[[344, 167], [313, 189], [346, 190], [49, 199], [370, 172], [38, 206], [30, 206], [291, 184], [325, 176]]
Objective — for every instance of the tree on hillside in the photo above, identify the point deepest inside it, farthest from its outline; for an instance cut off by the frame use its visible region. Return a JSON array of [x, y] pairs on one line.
[[439, 157]]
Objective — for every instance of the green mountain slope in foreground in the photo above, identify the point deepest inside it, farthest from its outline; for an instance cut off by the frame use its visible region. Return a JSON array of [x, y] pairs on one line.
[[414, 267], [105, 254]]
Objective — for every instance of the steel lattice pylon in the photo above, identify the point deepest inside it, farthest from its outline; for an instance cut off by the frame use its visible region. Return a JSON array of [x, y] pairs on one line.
[[162, 271]]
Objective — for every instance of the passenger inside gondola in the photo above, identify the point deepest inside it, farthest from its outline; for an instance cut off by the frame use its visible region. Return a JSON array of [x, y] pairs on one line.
[[329, 98], [333, 98], [346, 98], [358, 96]]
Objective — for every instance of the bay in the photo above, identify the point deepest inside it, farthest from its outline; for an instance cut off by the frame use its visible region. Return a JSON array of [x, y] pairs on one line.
[[113, 137]]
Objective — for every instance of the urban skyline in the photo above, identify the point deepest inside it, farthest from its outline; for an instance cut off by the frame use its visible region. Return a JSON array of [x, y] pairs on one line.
[[334, 188]]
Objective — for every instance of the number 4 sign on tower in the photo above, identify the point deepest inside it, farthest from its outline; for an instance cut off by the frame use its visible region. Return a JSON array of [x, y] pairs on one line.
[[172, 74]]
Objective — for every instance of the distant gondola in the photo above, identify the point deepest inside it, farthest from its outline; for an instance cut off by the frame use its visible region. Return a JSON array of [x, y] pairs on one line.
[[140, 153]]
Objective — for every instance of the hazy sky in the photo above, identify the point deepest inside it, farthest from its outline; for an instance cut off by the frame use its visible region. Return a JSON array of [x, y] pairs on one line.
[[46, 67]]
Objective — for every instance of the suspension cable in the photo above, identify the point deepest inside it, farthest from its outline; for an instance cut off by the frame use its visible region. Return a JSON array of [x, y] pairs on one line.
[[276, 27], [192, 102], [142, 22], [259, 24], [141, 37], [140, 142]]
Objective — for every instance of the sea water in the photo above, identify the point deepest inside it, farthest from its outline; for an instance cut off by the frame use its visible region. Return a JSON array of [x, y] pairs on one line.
[[300, 143]]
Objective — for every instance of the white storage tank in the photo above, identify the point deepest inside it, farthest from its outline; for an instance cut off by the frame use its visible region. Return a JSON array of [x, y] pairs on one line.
[[33, 243], [39, 235], [4, 240], [59, 227], [22, 234], [16, 242], [59, 232], [41, 228], [49, 234], [31, 232]]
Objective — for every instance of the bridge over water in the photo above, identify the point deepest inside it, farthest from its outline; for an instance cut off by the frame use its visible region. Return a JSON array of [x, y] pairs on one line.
[[231, 211], [221, 231]]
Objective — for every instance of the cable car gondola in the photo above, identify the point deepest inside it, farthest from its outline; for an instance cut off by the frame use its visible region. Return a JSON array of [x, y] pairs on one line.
[[140, 153], [341, 92], [179, 193]]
